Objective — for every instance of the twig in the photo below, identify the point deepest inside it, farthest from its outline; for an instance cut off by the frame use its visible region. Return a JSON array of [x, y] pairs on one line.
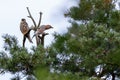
[[30, 16], [40, 19], [42, 38]]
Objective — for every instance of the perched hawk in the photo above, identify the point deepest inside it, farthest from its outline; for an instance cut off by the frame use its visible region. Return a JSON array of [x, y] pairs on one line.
[[24, 28], [42, 29]]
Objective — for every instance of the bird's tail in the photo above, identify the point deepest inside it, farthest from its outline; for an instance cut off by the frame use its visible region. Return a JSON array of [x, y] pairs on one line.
[[29, 38]]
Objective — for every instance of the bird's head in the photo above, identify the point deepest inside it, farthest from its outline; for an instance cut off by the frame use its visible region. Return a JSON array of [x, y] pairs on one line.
[[48, 27], [23, 19]]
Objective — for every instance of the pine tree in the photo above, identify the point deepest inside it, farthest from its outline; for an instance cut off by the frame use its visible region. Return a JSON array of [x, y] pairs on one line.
[[18, 60], [92, 40]]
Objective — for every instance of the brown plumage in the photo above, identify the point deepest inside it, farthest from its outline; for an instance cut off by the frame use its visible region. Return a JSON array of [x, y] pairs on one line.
[[24, 28], [42, 29]]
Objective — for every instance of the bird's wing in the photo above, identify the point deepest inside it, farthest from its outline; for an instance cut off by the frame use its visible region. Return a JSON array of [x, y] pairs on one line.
[[24, 27], [41, 29]]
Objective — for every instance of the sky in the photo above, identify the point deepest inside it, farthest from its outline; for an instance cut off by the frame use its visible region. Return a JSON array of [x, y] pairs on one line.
[[11, 12]]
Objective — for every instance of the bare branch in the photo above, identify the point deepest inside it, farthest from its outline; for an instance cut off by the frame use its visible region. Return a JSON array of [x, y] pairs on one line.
[[40, 19], [37, 40], [30, 16], [42, 38]]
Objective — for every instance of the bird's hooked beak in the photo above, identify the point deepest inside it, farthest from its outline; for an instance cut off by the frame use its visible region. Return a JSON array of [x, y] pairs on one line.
[[51, 27]]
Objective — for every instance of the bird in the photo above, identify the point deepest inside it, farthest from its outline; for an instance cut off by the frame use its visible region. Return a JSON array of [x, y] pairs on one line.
[[41, 30], [24, 28]]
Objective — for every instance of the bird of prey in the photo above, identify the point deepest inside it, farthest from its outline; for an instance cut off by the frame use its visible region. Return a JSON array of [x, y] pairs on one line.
[[24, 28], [41, 29]]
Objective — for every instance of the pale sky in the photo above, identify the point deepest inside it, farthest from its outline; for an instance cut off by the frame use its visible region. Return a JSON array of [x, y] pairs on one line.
[[13, 10]]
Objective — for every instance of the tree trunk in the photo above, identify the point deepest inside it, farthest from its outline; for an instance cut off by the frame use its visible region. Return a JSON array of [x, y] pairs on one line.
[[113, 76]]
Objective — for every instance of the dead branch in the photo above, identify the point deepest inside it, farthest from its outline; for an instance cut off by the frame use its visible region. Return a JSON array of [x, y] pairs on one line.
[[30, 16], [40, 19], [39, 39], [42, 38]]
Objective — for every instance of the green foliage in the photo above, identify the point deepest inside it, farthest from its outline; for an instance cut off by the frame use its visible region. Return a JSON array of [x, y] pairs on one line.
[[17, 59], [43, 73], [96, 42], [88, 44], [100, 11]]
